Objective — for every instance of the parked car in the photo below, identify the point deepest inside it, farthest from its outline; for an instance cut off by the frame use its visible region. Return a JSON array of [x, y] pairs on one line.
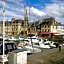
[[8, 48]]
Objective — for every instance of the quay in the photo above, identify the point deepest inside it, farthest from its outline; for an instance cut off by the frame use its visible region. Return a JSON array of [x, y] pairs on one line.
[[46, 56]]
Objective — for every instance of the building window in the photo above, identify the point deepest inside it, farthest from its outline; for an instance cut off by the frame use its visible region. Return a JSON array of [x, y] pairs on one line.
[[45, 30], [45, 26], [48, 30], [16, 29], [53, 27], [22, 24], [42, 30], [42, 26], [48, 26]]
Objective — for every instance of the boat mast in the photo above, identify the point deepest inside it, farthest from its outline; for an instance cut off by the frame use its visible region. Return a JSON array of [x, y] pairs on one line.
[[24, 18], [30, 28], [3, 27]]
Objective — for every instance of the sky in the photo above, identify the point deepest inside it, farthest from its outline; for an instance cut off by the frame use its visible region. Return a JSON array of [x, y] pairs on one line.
[[39, 9]]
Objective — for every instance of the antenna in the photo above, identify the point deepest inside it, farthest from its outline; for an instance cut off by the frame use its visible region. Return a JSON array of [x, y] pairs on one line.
[[3, 27]]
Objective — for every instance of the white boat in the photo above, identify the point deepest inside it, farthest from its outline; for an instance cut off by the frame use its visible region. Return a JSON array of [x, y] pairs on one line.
[[32, 40], [12, 39], [41, 44], [29, 49], [21, 38], [52, 44], [9, 47], [45, 46], [27, 41], [1, 39], [46, 41], [3, 60], [32, 49]]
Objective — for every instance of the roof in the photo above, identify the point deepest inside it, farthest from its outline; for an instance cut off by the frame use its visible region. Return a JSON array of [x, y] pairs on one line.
[[51, 21], [18, 21], [36, 23]]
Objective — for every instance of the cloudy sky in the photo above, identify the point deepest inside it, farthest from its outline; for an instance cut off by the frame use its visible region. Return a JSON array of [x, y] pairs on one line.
[[39, 9]]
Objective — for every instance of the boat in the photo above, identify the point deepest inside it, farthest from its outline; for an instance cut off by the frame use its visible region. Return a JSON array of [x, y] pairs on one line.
[[9, 47], [31, 40], [42, 44], [32, 49], [52, 44], [12, 39], [29, 47]]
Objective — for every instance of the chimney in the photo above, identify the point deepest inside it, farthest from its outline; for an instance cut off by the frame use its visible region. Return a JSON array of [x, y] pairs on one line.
[[13, 19], [38, 21]]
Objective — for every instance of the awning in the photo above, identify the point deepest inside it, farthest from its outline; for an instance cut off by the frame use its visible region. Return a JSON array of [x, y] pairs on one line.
[[56, 33], [44, 33], [62, 33], [32, 33]]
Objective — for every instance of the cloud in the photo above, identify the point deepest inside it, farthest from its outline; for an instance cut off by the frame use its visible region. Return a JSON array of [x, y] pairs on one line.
[[11, 10], [13, 7], [16, 10], [1, 11], [37, 12], [11, 14], [58, 1], [55, 10], [51, 10], [17, 2]]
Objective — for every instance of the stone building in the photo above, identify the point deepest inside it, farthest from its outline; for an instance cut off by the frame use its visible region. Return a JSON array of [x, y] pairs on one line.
[[8, 28], [18, 28], [1, 27], [32, 29], [49, 27], [14, 28]]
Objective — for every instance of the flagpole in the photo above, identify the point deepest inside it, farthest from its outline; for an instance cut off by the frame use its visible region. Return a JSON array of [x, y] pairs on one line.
[[3, 28]]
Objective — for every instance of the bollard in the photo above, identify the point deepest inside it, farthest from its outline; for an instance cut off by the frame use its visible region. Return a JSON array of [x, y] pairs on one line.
[[59, 47]]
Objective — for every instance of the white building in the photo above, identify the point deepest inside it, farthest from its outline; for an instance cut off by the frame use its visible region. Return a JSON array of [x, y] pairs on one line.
[[60, 29]]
